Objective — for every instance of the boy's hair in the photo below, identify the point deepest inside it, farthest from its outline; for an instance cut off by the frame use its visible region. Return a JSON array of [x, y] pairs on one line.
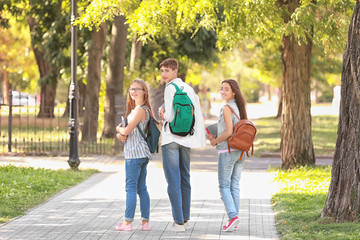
[[170, 63]]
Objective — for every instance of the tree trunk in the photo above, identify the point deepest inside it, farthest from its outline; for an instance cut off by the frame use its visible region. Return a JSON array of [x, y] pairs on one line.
[[279, 111], [157, 99], [48, 90], [296, 142], [343, 201], [135, 54], [91, 115], [5, 86], [115, 77], [47, 101]]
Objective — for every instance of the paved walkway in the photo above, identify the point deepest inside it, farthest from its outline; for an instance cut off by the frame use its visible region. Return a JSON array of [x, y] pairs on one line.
[[92, 209]]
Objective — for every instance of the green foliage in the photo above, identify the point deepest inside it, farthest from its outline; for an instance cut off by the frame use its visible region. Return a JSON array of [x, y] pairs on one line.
[[169, 18], [265, 58], [192, 53], [17, 55], [8, 8], [23, 188], [232, 64], [299, 202], [199, 47]]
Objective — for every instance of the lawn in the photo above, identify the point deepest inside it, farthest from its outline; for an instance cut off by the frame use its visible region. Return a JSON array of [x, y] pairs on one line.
[[324, 134], [299, 203], [22, 188]]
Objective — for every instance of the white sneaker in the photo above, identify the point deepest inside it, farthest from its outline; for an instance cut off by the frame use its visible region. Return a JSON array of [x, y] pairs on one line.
[[177, 227], [186, 225]]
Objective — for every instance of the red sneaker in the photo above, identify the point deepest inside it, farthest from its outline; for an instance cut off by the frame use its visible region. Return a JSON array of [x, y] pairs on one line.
[[230, 226]]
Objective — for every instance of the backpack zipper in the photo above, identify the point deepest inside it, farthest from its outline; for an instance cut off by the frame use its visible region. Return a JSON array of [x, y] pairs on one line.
[[177, 111]]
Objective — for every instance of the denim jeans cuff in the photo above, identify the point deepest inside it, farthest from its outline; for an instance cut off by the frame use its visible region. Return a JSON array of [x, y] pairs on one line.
[[129, 219], [144, 219]]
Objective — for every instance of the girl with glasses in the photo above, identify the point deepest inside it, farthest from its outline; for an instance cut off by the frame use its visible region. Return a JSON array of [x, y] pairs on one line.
[[137, 154]]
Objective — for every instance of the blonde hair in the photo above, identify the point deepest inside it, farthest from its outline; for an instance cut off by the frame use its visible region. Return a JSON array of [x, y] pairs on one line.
[[130, 103]]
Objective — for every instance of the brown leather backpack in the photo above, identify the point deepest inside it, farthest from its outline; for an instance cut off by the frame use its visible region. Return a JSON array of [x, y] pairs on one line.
[[243, 136]]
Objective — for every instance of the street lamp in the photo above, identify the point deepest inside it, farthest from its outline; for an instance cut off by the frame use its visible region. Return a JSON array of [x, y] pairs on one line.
[[73, 161]]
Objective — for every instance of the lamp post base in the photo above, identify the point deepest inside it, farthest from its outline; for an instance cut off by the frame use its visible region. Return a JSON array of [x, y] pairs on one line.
[[74, 163]]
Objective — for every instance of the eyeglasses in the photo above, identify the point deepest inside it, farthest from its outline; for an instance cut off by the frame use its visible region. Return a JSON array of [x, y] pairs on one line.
[[135, 89]]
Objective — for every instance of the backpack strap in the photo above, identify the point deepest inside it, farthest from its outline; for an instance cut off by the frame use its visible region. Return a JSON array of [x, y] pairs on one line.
[[242, 153], [232, 110], [140, 131], [176, 86]]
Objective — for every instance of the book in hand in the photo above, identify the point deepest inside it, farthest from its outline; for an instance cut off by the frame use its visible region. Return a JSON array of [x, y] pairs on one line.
[[123, 121], [212, 129]]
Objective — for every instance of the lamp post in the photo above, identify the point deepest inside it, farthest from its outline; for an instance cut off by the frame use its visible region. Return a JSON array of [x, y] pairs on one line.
[[73, 161]]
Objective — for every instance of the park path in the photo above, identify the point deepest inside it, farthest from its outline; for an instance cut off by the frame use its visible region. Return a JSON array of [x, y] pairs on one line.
[[92, 209]]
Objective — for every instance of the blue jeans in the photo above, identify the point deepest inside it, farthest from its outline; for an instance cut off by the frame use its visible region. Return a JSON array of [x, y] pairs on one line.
[[176, 163], [229, 174], [136, 170]]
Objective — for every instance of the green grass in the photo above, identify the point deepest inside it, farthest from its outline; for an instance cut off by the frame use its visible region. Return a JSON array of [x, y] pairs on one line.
[[22, 188], [299, 203], [324, 134]]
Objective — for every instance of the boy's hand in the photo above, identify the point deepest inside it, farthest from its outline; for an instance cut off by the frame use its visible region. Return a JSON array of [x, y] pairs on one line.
[[161, 113]]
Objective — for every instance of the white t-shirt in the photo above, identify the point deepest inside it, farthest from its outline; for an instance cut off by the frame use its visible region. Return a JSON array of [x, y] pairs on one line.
[[198, 139]]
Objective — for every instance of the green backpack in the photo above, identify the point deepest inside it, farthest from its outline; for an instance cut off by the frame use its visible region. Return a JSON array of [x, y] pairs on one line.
[[184, 119]]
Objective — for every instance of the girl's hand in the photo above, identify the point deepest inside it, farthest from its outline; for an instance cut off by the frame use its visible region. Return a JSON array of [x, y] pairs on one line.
[[213, 142], [210, 136], [122, 138]]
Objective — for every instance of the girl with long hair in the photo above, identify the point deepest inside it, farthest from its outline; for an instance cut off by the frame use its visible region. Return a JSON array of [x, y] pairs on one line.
[[137, 154], [229, 164]]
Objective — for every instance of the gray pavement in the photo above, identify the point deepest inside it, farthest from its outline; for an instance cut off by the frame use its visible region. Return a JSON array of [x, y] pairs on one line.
[[92, 209]]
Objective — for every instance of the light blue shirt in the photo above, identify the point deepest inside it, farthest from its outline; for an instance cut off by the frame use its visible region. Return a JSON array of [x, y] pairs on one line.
[[135, 145], [221, 123]]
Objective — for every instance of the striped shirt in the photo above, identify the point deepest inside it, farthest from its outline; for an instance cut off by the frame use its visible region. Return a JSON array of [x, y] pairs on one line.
[[135, 145]]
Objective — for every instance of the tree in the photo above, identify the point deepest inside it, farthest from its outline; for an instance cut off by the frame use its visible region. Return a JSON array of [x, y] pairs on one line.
[[17, 61], [91, 114], [298, 24], [114, 99], [296, 141], [343, 200], [50, 38]]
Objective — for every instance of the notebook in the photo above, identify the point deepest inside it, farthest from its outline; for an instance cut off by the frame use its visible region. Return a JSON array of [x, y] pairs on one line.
[[212, 129]]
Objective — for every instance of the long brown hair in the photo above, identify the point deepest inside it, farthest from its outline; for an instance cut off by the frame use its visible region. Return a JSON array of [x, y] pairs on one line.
[[130, 104], [239, 98]]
